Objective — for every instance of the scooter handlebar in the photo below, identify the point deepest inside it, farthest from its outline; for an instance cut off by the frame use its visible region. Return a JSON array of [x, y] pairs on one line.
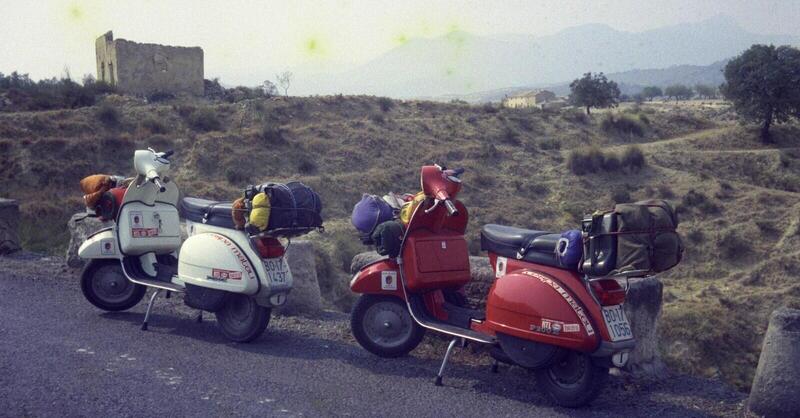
[[159, 184], [451, 208], [168, 154]]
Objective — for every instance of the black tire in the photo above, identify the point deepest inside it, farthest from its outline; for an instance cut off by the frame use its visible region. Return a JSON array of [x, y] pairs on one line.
[[398, 333], [105, 286], [573, 381], [241, 319]]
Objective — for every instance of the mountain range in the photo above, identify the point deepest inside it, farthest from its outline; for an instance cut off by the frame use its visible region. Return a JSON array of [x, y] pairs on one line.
[[461, 63]]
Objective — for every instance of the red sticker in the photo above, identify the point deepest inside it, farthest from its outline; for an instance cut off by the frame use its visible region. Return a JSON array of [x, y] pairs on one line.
[[221, 274]]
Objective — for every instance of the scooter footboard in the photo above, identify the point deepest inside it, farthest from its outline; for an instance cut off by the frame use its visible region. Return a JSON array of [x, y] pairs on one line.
[[380, 277], [537, 307]]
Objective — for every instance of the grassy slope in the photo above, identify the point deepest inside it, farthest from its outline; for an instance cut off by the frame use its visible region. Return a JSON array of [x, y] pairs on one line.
[[740, 222]]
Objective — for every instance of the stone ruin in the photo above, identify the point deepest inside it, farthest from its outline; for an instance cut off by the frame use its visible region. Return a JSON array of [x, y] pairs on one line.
[[146, 69]]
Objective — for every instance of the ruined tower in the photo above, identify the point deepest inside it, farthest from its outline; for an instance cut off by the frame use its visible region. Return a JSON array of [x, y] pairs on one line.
[[145, 69]]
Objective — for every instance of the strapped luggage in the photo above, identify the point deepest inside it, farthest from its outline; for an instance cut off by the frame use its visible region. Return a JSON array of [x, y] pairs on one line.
[[290, 206], [368, 213], [634, 239]]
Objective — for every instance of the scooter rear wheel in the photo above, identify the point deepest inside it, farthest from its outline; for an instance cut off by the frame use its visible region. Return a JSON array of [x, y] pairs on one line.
[[241, 319], [384, 327], [573, 381], [104, 285]]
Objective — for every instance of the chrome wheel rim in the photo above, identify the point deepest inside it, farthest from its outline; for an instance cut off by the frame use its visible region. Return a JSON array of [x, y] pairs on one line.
[[111, 285], [569, 371], [387, 324]]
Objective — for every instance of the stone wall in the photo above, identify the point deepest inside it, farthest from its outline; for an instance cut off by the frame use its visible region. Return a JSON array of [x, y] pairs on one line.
[[145, 69], [9, 222]]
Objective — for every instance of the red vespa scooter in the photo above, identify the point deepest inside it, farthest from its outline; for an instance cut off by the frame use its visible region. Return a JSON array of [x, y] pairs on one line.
[[570, 329]]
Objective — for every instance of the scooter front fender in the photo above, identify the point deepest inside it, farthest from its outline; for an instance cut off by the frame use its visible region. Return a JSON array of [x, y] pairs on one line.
[[381, 277], [101, 244]]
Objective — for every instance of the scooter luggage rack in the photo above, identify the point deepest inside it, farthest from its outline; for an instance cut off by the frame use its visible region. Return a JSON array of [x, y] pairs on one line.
[[286, 232]]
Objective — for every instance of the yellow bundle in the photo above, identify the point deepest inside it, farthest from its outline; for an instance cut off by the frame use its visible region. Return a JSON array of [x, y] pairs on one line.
[[409, 207], [259, 214]]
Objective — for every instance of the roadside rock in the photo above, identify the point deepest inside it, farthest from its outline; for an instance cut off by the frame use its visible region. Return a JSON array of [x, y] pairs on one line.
[[9, 223], [362, 259], [642, 308], [80, 227], [777, 382], [305, 296]]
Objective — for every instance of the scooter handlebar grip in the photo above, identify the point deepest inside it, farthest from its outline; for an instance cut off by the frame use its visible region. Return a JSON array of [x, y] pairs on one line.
[[159, 184], [168, 154], [451, 208]]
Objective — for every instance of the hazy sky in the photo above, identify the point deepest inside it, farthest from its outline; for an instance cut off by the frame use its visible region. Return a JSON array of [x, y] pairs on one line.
[[252, 40]]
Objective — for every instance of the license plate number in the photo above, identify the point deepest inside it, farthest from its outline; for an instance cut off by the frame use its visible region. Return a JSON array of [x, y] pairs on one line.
[[616, 323], [277, 270]]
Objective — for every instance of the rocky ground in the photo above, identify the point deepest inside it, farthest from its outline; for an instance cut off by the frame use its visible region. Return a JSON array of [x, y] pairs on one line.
[[61, 356]]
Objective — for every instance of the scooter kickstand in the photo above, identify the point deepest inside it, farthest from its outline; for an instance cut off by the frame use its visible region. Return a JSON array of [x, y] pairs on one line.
[[444, 362], [200, 316], [149, 306], [495, 366]]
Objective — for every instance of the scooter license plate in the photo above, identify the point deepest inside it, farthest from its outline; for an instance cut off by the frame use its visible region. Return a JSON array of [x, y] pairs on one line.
[[617, 323], [277, 270]]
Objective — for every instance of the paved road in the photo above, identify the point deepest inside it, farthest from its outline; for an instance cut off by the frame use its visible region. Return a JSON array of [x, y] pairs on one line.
[[60, 356]]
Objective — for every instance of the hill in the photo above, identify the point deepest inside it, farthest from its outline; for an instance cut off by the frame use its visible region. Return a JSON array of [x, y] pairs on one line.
[[463, 63], [739, 199]]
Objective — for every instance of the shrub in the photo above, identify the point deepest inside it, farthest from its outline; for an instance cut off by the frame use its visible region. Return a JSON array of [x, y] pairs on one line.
[[510, 137], [550, 143], [696, 236], [490, 108], [582, 161], [665, 191], [733, 245], [272, 135], [155, 126], [701, 202], [622, 124], [109, 115], [306, 165], [204, 119], [633, 158], [386, 104], [575, 116], [621, 196], [237, 175], [472, 120], [378, 118], [611, 162]]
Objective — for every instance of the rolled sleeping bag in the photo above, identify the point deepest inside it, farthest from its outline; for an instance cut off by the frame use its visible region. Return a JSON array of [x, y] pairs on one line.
[[569, 249], [370, 212]]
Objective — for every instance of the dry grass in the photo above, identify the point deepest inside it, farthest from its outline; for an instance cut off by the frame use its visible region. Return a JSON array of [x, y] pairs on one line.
[[737, 196]]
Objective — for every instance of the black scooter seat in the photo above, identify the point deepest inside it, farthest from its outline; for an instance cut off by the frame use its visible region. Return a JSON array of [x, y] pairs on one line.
[[208, 212], [519, 243]]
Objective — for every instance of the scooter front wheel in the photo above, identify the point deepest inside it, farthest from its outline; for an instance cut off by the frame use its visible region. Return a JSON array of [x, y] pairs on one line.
[[384, 327], [104, 285], [241, 319], [573, 381]]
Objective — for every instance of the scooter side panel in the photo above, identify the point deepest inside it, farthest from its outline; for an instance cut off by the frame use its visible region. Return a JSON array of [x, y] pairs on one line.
[[568, 279], [214, 261], [102, 244], [535, 306], [382, 277]]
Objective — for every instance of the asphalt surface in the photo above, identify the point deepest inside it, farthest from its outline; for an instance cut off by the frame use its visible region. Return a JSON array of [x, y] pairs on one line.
[[60, 356]]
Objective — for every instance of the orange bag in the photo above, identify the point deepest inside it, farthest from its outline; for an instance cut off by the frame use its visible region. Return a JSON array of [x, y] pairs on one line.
[[94, 186], [238, 210]]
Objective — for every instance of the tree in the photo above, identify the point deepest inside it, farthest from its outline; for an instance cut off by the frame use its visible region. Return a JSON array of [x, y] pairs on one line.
[[705, 91], [763, 83], [679, 92], [284, 80], [594, 91], [651, 92], [269, 88]]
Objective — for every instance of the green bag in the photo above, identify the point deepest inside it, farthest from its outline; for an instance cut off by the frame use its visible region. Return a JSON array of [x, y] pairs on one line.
[[388, 238], [647, 239]]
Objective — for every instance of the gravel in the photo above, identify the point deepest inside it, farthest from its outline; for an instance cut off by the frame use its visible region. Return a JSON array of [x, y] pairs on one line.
[[60, 356]]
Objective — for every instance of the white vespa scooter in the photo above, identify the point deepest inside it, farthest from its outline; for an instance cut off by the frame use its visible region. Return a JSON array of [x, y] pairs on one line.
[[238, 276]]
